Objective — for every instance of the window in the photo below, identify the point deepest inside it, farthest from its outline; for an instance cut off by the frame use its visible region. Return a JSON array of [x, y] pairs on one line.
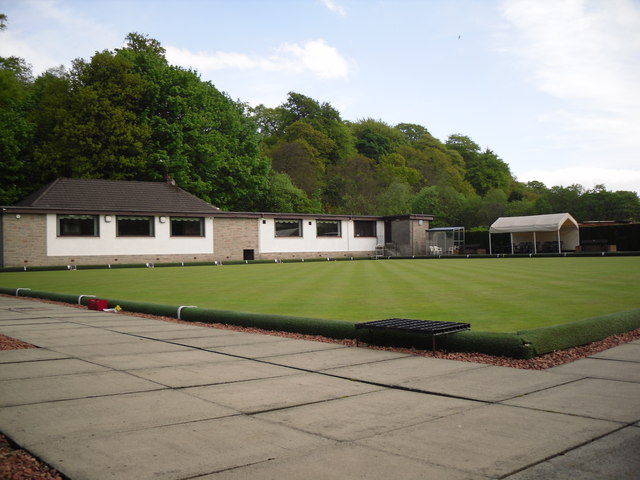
[[288, 228], [328, 228], [187, 227], [78, 225], [135, 226], [364, 228]]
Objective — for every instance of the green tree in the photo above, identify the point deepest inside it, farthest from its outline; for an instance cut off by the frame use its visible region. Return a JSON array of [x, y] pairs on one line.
[[321, 116], [412, 132], [16, 132], [485, 171], [300, 162], [351, 186], [103, 133], [284, 196], [374, 138], [394, 199]]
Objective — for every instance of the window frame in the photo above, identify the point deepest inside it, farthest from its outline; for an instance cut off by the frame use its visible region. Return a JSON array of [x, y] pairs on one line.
[[338, 231], [187, 219], [287, 221], [359, 224], [149, 219], [61, 230]]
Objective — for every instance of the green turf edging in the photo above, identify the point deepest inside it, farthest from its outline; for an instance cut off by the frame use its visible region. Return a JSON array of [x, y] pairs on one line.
[[285, 323], [580, 332], [490, 343]]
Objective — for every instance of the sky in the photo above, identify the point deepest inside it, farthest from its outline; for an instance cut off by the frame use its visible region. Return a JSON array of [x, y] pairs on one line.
[[551, 86]]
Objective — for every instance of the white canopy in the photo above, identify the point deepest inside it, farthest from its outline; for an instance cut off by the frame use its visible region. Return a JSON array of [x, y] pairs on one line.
[[559, 228], [533, 223]]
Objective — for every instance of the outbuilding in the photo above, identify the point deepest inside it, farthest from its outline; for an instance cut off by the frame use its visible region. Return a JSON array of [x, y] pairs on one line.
[[552, 233]]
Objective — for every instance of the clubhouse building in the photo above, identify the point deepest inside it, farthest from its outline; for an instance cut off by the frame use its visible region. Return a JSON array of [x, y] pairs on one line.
[[106, 222]]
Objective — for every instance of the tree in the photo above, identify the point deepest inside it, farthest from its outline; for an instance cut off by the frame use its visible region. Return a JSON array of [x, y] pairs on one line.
[[394, 200], [300, 162], [411, 131], [102, 134], [16, 132], [351, 186], [374, 138], [322, 116], [484, 170], [284, 196]]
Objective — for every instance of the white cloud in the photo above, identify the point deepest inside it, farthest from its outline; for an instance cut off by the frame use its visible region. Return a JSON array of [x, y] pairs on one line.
[[313, 56], [334, 7], [586, 55]]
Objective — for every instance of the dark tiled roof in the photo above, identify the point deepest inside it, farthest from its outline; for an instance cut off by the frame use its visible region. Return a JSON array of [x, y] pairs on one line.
[[74, 194]]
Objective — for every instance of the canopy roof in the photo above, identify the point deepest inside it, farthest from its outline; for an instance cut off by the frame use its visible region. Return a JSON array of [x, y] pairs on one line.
[[533, 223]]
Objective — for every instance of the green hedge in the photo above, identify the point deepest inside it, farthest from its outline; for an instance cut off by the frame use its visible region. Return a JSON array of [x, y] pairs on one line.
[[581, 332]]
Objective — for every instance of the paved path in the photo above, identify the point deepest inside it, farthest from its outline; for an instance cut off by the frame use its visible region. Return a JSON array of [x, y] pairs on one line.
[[109, 396]]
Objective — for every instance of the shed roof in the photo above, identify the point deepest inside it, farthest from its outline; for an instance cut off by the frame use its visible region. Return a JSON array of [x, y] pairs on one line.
[[533, 223], [90, 195]]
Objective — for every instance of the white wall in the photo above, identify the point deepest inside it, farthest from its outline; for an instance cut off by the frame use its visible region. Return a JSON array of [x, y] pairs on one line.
[[109, 244], [310, 242]]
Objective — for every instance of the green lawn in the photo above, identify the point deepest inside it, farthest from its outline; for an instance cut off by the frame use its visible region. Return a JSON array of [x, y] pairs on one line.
[[499, 295]]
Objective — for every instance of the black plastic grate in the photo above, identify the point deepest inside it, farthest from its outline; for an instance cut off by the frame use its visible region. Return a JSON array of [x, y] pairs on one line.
[[430, 327]]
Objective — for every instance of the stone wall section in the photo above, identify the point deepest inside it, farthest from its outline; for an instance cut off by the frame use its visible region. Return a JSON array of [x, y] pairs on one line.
[[24, 242], [232, 236]]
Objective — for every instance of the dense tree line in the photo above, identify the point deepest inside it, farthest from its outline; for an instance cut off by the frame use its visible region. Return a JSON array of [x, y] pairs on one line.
[[128, 114]]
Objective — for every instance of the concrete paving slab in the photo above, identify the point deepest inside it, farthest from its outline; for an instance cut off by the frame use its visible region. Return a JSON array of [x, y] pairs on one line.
[[176, 452], [154, 327], [398, 371], [590, 397], [67, 387], [51, 328], [48, 368], [29, 355], [132, 345], [279, 347], [369, 414], [614, 457], [268, 394], [326, 359], [45, 422], [504, 382], [343, 462], [629, 352], [11, 320], [229, 337], [159, 359], [601, 368], [495, 440], [213, 373], [108, 322], [178, 334], [98, 337]]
